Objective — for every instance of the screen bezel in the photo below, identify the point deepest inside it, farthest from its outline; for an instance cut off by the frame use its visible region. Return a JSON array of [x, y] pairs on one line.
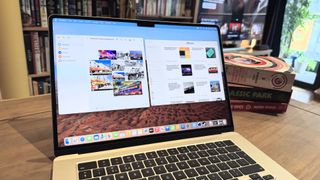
[[106, 145]]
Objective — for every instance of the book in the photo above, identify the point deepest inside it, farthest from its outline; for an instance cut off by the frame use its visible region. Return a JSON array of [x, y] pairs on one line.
[[79, 7], [47, 52], [65, 7], [42, 54], [35, 87], [72, 7], [85, 7], [26, 16], [51, 7], [43, 13], [265, 72], [249, 93], [28, 51], [262, 107], [89, 6], [35, 52], [33, 12], [37, 12]]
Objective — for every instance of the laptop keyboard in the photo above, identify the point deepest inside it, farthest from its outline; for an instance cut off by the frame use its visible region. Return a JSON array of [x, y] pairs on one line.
[[214, 161]]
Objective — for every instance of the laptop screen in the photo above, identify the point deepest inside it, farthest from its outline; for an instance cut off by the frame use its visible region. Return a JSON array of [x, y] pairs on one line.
[[117, 80]]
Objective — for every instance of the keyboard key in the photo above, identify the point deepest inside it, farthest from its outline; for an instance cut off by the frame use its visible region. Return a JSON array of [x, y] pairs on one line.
[[254, 176], [161, 161], [213, 168], [116, 161], [246, 157], [162, 153], [183, 149], [212, 152], [220, 144], [191, 173], [202, 170], [202, 178], [223, 166], [192, 148], [242, 162], [149, 163], [193, 155], [85, 174], [159, 170], [203, 154], [122, 176], [235, 172], [104, 163], [110, 177], [179, 175], [221, 150], [128, 159], [211, 145], [112, 169], [94, 178], [135, 174], [171, 167], [223, 157], [228, 143], [214, 177], [233, 156], [172, 159], [147, 172], [87, 165], [232, 148], [182, 165], [137, 165], [204, 161], [193, 163], [140, 157], [98, 172], [151, 155], [251, 169], [182, 157], [268, 177], [167, 176], [173, 151], [125, 167], [214, 159], [154, 178], [202, 146], [225, 175], [233, 164]]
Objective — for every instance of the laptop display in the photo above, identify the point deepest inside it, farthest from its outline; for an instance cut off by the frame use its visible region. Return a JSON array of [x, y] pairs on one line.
[[117, 80]]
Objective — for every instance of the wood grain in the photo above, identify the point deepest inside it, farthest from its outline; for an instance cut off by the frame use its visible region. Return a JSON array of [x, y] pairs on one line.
[[291, 139]]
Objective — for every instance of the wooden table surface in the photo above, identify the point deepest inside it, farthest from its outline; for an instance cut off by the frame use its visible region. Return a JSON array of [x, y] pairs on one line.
[[291, 139]]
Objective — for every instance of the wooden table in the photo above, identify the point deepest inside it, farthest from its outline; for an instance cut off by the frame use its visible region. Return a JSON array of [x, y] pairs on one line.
[[291, 139]]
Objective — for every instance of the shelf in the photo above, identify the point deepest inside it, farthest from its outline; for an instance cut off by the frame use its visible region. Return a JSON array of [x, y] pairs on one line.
[[165, 17], [33, 28], [44, 74]]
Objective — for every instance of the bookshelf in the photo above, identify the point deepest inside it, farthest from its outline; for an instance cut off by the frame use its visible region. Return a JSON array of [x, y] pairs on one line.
[[34, 14]]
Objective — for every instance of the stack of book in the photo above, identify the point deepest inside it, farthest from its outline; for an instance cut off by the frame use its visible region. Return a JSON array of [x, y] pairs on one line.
[[41, 85], [36, 12], [258, 84]]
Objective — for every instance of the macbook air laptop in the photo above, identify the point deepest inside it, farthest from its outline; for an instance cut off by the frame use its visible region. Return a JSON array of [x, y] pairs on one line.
[[145, 100]]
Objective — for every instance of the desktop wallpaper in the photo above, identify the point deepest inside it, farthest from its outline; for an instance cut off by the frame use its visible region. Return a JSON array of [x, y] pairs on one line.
[[109, 121]]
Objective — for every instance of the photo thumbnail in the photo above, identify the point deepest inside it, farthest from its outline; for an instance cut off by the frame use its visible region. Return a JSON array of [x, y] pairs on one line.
[[135, 55], [213, 70], [118, 76], [184, 52], [107, 54], [134, 73], [188, 87], [101, 83], [127, 88], [118, 65], [186, 70], [100, 67], [123, 56], [210, 52], [215, 86]]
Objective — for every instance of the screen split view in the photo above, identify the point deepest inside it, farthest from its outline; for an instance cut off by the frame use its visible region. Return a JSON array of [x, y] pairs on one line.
[[105, 74]]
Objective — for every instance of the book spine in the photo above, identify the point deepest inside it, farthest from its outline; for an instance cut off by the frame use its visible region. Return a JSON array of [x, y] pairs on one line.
[[263, 107], [28, 50], [178, 8], [50, 7], [72, 7], [98, 8], [259, 78], [258, 94], [36, 52], [79, 7], [183, 8], [33, 13], [89, 6], [43, 13], [37, 12], [65, 7], [85, 7], [168, 8], [35, 87], [40, 87], [105, 8], [42, 54], [47, 52], [173, 8]]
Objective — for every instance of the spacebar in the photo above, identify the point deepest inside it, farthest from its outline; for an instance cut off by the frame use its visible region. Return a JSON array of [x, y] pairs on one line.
[[251, 169]]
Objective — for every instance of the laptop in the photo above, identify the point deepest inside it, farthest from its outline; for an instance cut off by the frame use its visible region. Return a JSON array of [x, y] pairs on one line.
[[136, 99]]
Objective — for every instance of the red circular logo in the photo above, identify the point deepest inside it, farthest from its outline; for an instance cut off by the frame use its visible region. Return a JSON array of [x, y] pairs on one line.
[[279, 81]]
